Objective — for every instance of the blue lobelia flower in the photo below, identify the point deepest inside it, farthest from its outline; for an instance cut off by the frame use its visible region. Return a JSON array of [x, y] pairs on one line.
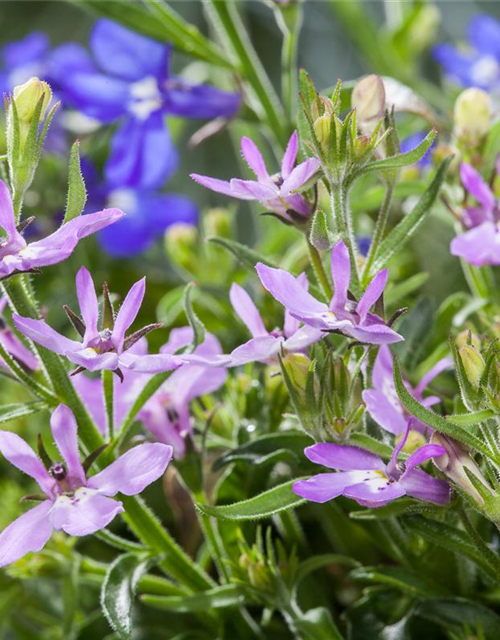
[[478, 66], [23, 59], [149, 214], [128, 80]]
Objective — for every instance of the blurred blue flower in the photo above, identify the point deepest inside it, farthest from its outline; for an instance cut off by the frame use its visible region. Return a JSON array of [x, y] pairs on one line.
[[478, 66], [130, 82], [23, 59], [148, 214]]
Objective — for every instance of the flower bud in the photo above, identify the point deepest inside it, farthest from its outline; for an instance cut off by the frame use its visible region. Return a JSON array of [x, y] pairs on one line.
[[414, 441], [322, 130], [368, 98], [467, 337], [472, 115], [181, 243], [454, 463], [473, 363], [27, 97], [218, 223], [297, 366]]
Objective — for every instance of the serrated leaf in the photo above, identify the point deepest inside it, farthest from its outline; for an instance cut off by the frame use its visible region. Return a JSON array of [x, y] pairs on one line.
[[229, 595], [194, 322], [19, 410], [399, 578], [268, 503], [118, 591], [77, 193], [437, 422], [404, 230], [258, 451]]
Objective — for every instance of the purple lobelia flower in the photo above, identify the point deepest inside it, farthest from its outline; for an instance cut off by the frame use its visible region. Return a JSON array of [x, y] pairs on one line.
[[131, 83], [366, 478], [480, 65], [277, 192], [149, 214], [167, 413], [17, 256], [480, 245], [100, 349], [71, 502], [342, 315], [11, 343], [382, 401]]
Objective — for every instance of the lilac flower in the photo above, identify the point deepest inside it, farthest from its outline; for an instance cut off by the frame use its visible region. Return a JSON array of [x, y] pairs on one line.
[[17, 256], [342, 315], [71, 502], [105, 349], [480, 245], [382, 401], [149, 214], [273, 192], [167, 413], [132, 83], [11, 343], [480, 65], [365, 477]]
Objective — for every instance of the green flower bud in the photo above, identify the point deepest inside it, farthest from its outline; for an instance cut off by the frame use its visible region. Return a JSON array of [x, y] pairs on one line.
[[414, 441], [472, 115], [467, 337], [473, 363], [218, 223], [27, 97], [182, 243], [297, 366], [322, 130], [368, 98]]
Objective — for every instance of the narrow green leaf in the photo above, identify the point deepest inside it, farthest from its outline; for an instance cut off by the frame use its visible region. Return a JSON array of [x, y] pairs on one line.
[[194, 322], [244, 254], [404, 230], [229, 595], [400, 578], [118, 591], [77, 194], [458, 614], [157, 20], [436, 421], [469, 419], [19, 410], [317, 624], [280, 498], [365, 441]]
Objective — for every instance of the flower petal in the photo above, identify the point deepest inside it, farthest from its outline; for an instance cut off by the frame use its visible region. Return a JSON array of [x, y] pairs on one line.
[[303, 338], [16, 348], [375, 492], [199, 101], [290, 156], [85, 512], [154, 363], [22, 456], [385, 411], [40, 332], [479, 246], [477, 187], [244, 306], [372, 293], [133, 471], [254, 159], [29, 533], [327, 486], [258, 191], [87, 300], [299, 176], [7, 220], [64, 430], [219, 186], [483, 33], [341, 274], [437, 369], [128, 312], [423, 454], [421, 485], [343, 457], [260, 349]]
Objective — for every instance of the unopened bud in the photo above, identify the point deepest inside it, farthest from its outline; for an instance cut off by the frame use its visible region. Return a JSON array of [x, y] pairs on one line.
[[368, 98], [454, 463], [181, 243], [472, 115], [467, 337], [322, 130], [28, 95], [297, 366], [473, 363], [414, 441], [218, 223]]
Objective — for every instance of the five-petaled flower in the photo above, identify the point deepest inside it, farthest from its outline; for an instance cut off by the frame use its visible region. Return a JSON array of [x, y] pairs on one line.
[[71, 502], [382, 401], [132, 83], [480, 245], [278, 192], [366, 478], [343, 314], [479, 66], [100, 349], [18, 256]]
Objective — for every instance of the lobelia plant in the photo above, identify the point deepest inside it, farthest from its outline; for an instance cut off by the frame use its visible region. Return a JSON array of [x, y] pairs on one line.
[[156, 452]]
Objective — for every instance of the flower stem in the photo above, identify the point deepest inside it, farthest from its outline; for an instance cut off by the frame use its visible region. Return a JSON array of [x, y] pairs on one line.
[[107, 383], [343, 226], [319, 271], [378, 232]]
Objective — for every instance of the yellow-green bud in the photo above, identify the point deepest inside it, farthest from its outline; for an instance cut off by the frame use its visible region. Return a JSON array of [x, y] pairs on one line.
[[467, 337], [368, 98], [472, 115], [27, 96], [414, 441], [322, 129], [473, 363], [181, 242], [218, 223], [297, 366]]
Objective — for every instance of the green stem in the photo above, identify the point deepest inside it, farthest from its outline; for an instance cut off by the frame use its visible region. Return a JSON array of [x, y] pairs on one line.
[[378, 232], [479, 280], [319, 271], [343, 226], [228, 23], [107, 383], [27, 379], [289, 19]]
